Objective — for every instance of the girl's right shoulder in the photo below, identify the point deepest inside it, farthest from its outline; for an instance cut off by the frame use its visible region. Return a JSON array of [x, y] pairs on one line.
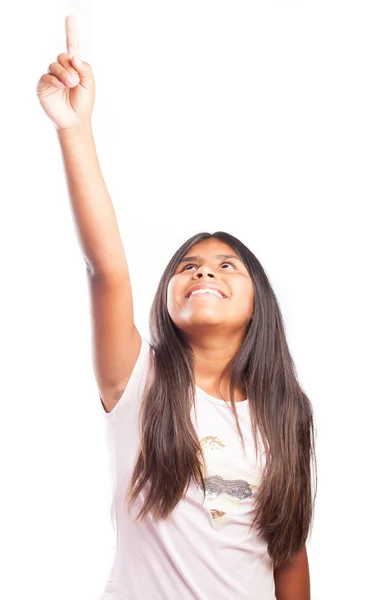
[[134, 375]]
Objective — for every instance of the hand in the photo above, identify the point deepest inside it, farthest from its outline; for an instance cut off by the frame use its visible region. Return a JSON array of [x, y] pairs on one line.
[[67, 91]]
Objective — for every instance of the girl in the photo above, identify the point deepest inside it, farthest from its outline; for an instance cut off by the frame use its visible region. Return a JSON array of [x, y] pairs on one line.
[[211, 434]]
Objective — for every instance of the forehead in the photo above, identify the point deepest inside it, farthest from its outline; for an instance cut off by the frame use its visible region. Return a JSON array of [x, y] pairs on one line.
[[209, 247]]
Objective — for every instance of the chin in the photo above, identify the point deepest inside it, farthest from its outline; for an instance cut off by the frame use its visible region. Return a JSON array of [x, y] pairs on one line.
[[195, 324]]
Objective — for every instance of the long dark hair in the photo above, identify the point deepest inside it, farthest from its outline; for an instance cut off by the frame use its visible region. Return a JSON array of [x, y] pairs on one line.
[[170, 453]]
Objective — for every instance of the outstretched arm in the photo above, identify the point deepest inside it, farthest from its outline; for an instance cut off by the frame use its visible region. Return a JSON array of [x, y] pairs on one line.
[[66, 94]]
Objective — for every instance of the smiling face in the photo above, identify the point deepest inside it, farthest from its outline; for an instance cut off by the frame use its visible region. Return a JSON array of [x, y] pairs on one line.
[[208, 263]]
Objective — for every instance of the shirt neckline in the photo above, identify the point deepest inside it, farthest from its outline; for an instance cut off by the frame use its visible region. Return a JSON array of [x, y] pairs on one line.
[[219, 401]]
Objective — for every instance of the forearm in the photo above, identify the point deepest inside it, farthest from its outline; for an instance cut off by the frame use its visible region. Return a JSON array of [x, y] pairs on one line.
[[93, 211], [293, 581]]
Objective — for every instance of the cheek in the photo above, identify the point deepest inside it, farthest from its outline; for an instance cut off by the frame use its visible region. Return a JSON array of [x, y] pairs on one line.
[[172, 294], [245, 297]]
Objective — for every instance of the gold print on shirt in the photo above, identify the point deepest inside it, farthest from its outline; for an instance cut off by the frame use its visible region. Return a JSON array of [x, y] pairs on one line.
[[230, 480], [211, 442], [216, 513]]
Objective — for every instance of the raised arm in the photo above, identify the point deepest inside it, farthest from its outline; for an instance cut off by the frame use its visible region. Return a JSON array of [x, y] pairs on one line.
[[115, 340]]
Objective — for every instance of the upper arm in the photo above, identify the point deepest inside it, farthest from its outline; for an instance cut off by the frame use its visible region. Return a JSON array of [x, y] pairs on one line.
[[116, 341], [292, 582]]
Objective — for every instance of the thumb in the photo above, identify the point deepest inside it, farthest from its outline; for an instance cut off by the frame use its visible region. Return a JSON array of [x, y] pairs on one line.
[[84, 71]]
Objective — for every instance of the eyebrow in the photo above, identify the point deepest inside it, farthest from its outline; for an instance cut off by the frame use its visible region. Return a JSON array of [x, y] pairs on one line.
[[219, 256]]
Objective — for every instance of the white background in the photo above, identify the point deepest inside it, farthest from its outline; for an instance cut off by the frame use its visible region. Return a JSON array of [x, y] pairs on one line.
[[208, 115]]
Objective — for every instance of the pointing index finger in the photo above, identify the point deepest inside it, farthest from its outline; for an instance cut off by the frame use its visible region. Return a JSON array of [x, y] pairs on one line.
[[72, 36]]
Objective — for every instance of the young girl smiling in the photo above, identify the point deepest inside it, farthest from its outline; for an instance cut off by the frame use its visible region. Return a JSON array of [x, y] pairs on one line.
[[211, 434]]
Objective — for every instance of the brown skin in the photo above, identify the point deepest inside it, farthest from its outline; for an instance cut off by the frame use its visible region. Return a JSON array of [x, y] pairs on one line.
[[214, 327], [292, 582]]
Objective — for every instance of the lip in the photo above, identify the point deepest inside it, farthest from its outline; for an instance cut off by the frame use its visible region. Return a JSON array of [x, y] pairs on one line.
[[211, 286]]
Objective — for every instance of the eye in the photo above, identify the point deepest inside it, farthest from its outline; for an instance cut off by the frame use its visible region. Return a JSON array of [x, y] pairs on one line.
[[186, 267], [227, 262]]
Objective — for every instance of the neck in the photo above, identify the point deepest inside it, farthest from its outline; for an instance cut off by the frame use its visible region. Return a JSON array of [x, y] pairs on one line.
[[210, 357]]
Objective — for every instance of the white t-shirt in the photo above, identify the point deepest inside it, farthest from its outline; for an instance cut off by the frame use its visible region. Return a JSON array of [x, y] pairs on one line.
[[204, 549]]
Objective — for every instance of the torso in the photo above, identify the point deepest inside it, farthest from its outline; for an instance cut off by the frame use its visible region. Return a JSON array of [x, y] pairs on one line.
[[239, 395]]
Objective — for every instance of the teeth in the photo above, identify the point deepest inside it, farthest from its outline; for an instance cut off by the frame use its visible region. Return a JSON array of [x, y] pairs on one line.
[[206, 291]]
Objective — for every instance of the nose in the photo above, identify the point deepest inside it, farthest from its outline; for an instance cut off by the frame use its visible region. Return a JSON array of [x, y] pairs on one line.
[[204, 270]]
